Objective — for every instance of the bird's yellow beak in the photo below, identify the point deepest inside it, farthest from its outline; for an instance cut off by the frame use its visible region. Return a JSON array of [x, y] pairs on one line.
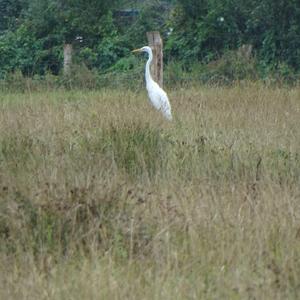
[[136, 50]]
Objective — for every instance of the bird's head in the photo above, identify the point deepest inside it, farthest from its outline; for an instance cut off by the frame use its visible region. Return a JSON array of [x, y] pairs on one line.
[[143, 49]]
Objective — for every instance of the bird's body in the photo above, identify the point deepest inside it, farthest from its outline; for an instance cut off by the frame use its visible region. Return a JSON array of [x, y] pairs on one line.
[[157, 95]]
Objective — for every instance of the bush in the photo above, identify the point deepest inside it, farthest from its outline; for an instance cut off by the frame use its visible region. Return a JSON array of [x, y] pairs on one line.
[[80, 77], [229, 68]]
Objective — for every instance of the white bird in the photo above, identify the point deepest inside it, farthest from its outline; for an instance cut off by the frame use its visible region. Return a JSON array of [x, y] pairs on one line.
[[157, 95]]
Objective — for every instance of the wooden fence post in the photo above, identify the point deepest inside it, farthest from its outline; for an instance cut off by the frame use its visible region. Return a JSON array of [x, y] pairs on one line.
[[245, 51], [155, 42], [68, 51]]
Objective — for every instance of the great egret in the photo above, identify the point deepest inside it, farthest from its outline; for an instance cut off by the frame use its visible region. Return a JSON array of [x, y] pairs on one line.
[[157, 95]]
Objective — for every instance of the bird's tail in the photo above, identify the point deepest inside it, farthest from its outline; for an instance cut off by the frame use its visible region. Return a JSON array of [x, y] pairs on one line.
[[167, 114]]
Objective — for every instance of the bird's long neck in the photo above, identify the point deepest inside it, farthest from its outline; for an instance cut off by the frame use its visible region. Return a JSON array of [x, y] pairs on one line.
[[147, 73]]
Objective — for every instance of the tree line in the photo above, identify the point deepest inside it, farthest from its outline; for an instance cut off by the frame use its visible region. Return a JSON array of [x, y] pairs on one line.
[[32, 32]]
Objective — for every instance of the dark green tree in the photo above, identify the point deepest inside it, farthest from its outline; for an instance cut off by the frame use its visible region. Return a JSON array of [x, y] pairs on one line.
[[10, 12], [205, 29], [274, 29], [36, 45]]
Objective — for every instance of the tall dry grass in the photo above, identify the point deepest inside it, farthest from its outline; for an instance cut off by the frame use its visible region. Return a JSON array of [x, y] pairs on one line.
[[100, 198]]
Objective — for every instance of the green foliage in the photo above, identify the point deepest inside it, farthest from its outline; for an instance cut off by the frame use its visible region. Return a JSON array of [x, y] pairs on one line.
[[105, 52], [203, 30], [152, 17], [36, 45], [126, 73], [274, 29], [10, 11], [110, 50], [18, 50], [32, 34], [68, 18], [229, 68]]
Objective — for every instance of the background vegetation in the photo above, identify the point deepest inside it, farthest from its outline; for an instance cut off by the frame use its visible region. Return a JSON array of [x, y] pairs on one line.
[[201, 38]]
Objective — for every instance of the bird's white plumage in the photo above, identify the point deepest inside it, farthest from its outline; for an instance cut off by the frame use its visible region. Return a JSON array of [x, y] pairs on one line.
[[157, 95]]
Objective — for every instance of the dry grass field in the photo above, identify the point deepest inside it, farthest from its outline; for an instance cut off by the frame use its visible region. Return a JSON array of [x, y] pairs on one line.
[[101, 198]]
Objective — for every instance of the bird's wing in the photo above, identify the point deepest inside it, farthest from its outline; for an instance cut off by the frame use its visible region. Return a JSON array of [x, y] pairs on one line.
[[165, 105], [159, 99], [154, 95]]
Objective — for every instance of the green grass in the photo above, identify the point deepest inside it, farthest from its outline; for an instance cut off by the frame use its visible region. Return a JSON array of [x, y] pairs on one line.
[[101, 198]]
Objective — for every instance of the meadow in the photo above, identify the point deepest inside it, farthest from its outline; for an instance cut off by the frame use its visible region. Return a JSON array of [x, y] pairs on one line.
[[101, 198]]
